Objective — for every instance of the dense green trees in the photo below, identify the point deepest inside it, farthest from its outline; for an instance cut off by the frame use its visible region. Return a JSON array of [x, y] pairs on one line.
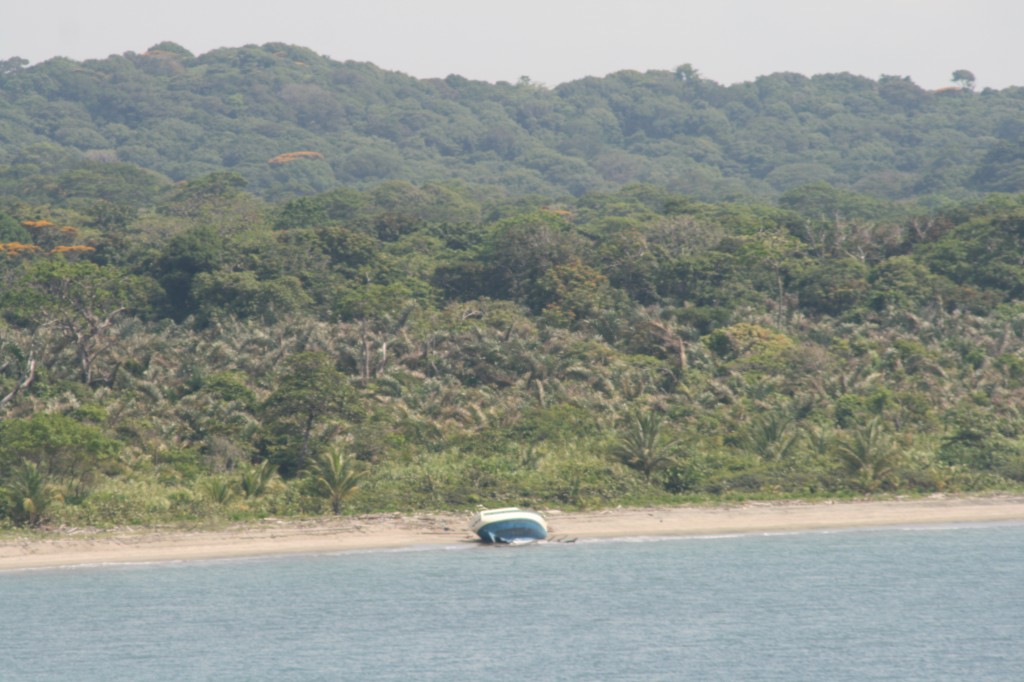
[[294, 123], [464, 347], [302, 413], [211, 347], [76, 304]]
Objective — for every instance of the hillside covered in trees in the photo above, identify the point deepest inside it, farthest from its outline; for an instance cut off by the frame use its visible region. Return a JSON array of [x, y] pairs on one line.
[[292, 122], [181, 341]]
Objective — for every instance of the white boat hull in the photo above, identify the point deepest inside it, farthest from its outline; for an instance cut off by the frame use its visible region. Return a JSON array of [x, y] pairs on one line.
[[509, 526]]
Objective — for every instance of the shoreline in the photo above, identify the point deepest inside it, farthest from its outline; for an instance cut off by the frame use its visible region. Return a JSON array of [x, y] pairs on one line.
[[393, 531]]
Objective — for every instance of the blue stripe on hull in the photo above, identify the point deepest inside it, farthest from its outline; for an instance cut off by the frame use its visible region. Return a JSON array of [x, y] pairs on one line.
[[511, 531]]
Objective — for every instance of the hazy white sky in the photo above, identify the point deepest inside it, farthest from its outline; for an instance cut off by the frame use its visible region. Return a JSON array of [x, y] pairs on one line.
[[554, 41]]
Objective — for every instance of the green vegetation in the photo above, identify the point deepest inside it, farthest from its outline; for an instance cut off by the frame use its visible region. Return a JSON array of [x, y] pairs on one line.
[[291, 122], [468, 299], [641, 447], [460, 348], [335, 477]]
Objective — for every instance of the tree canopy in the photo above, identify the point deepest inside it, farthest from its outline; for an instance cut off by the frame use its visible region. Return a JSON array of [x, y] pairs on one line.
[[233, 285], [291, 122]]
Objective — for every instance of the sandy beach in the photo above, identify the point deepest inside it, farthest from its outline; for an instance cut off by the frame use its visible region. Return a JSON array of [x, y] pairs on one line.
[[70, 547]]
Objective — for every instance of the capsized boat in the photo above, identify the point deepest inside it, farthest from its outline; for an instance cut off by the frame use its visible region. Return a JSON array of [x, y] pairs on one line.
[[509, 525]]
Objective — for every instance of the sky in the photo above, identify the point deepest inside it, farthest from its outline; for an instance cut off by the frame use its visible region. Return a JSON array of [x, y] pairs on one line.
[[556, 41]]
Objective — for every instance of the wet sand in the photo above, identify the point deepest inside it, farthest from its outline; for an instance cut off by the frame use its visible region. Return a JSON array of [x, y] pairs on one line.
[[70, 547]]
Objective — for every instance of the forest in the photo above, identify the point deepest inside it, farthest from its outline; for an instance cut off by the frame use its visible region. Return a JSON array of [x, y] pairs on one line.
[[261, 283], [293, 123]]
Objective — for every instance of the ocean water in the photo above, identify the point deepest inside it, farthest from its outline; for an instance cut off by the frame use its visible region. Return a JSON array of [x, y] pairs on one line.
[[917, 603]]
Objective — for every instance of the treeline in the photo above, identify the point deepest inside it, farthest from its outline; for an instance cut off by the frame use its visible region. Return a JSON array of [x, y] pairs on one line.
[[408, 346], [292, 122]]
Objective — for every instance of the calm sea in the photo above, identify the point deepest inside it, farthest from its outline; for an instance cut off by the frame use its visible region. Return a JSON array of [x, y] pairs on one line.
[[925, 603]]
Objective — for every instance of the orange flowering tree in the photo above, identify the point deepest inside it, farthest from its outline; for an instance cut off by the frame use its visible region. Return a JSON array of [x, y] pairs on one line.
[[288, 157], [48, 235], [12, 249]]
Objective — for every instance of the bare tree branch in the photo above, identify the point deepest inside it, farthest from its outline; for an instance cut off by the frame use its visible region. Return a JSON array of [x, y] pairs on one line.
[[25, 383]]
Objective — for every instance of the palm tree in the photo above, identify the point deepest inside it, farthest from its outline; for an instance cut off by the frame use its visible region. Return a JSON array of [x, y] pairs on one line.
[[256, 477], [336, 476], [642, 447], [29, 494], [772, 436], [218, 489], [869, 455]]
